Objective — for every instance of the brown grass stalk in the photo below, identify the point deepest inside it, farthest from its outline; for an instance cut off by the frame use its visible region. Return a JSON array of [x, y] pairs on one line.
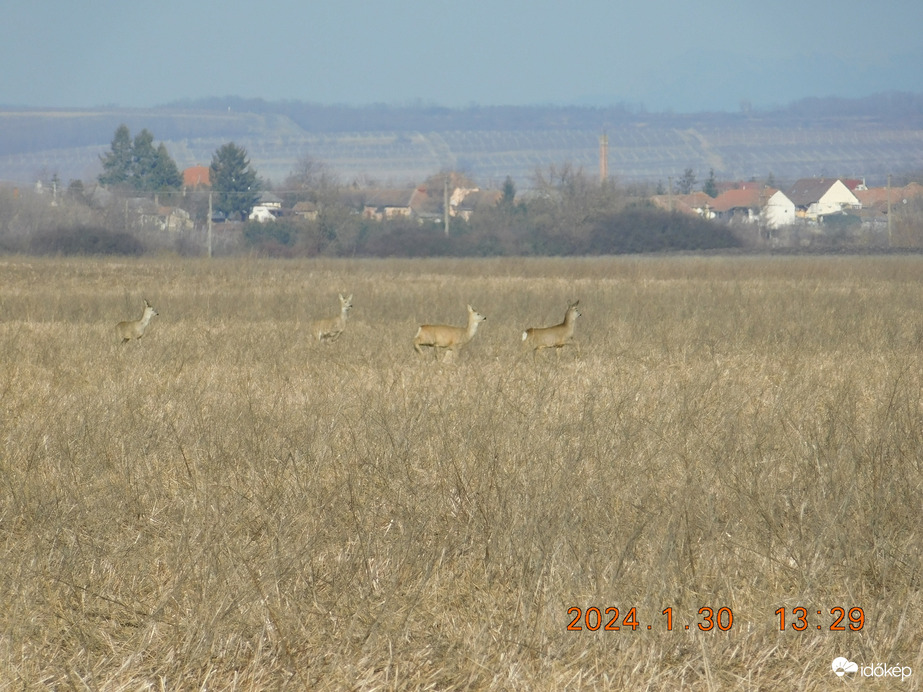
[[226, 504]]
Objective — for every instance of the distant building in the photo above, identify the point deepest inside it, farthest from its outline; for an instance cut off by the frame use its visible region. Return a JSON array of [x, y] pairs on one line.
[[474, 201], [817, 197], [739, 204], [196, 177], [779, 211], [267, 208], [306, 210], [394, 204]]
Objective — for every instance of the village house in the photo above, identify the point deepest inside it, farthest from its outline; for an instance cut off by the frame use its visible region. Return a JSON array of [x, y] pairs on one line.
[[151, 215], [421, 205], [818, 197], [877, 199], [393, 204], [268, 208], [306, 210], [697, 203], [474, 201], [751, 203], [196, 177], [779, 211], [740, 204], [880, 202]]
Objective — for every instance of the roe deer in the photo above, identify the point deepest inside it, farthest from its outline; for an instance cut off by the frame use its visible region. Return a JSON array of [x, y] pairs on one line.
[[330, 329], [556, 337], [446, 337], [134, 329]]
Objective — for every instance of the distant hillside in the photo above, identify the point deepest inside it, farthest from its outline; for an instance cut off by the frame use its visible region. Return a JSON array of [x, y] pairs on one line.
[[857, 138]]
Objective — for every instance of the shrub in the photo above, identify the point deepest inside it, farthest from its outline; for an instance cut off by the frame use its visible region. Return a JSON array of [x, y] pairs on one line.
[[272, 239], [85, 240], [406, 238], [648, 229]]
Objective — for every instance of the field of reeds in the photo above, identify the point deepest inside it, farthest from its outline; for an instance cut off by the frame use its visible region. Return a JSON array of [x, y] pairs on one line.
[[227, 504]]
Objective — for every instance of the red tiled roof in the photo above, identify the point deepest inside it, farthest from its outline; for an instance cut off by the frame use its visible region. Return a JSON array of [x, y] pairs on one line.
[[196, 176], [737, 199], [878, 196]]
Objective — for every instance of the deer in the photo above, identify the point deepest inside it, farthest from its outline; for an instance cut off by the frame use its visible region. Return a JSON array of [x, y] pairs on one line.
[[556, 337], [134, 329], [330, 329], [446, 337]]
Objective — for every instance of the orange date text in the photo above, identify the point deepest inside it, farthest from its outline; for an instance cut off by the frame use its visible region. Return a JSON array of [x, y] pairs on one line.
[[612, 619]]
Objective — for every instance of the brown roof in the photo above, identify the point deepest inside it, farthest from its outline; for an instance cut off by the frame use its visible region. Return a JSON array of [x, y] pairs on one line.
[[737, 199], [480, 198], [381, 199], [878, 196], [684, 204], [807, 191]]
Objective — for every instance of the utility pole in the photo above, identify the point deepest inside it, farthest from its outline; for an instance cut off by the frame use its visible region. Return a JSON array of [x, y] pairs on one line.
[[603, 158], [889, 210], [210, 193], [445, 204]]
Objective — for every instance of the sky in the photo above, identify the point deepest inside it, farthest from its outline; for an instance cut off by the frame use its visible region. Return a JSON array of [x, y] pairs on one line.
[[649, 54]]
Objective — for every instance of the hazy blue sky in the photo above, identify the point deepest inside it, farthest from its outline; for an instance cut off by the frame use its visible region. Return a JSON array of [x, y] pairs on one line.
[[653, 53]]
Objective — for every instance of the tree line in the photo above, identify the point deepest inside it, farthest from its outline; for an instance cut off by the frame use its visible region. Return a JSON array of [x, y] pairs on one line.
[[135, 166], [567, 212]]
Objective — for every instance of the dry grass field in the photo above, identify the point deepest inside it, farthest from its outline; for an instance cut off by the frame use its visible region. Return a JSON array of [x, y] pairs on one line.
[[228, 504]]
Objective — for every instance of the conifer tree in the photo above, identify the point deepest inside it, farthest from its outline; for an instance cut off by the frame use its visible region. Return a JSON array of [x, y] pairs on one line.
[[137, 166], [117, 162], [234, 181], [710, 187]]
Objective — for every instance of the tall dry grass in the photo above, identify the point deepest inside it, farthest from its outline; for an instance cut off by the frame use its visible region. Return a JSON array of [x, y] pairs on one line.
[[227, 504]]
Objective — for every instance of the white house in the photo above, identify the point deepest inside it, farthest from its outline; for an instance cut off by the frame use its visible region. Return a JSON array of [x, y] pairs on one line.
[[816, 197], [268, 208], [741, 204], [779, 211], [263, 213]]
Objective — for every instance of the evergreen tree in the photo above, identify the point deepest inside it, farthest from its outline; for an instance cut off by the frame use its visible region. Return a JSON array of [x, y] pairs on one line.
[[166, 175], [710, 187], [686, 184], [138, 166], [234, 181], [144, 161], [117, 163], [509, 192]]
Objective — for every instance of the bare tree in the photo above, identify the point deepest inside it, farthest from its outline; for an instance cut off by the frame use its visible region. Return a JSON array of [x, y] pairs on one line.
[[311, 180]]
